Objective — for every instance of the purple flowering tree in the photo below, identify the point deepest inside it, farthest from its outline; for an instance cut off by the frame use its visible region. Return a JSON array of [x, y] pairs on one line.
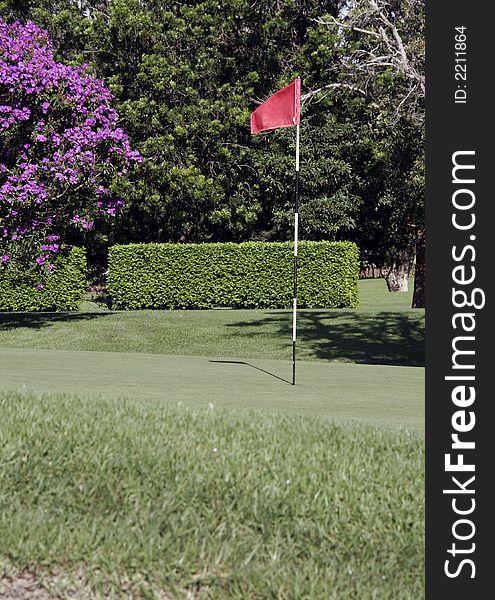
[[60, 149]]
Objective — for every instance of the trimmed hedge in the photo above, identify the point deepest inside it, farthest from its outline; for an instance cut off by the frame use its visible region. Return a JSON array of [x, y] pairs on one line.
[[64, 288], [247, 275]]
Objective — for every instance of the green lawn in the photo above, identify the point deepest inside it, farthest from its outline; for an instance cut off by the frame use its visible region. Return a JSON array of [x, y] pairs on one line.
[[236, 359], [383, 395], [146, 500], [383, 331], [158, 454]]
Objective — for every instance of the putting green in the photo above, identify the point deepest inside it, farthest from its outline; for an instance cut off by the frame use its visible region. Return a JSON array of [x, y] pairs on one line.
[[382, 395]]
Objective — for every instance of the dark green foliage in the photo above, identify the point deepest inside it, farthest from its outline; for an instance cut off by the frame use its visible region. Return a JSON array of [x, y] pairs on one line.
[[247, 275], [64, 287], [333, 156], [186, 75]]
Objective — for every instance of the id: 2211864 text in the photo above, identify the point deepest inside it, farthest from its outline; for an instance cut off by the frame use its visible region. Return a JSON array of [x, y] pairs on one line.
[[460, 64]]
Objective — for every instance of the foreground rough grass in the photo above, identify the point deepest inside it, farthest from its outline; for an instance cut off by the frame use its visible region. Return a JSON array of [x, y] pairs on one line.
[[154, 500]]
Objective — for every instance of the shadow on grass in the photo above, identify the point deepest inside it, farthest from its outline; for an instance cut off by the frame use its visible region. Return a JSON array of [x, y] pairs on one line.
[[385, 338], [37, 320], [242, 362]]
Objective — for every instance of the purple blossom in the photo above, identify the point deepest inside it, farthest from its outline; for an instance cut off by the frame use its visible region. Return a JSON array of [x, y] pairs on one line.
[[52, 158], [85, 224], [5, 259]]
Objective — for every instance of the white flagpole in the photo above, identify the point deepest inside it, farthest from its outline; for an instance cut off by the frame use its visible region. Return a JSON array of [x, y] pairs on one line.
[[296, 233]]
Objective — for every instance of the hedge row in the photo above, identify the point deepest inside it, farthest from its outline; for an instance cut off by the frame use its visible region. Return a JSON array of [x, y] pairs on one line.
[[64, 287], [246, 275]]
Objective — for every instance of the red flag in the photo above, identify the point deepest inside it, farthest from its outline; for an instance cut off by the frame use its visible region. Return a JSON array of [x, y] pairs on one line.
[[282, 109]]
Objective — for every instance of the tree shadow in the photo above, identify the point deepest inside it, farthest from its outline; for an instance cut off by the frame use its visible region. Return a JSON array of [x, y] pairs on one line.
[[38, 320], [385, 338]]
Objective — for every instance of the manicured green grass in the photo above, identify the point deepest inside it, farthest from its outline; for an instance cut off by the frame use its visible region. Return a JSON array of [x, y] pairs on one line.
[[383, 395], [168, 457], [152, 499], [374, 296], [384, 330]]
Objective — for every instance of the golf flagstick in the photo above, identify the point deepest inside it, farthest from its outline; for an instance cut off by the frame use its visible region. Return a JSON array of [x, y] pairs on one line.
[[283, 109], [296, 233]]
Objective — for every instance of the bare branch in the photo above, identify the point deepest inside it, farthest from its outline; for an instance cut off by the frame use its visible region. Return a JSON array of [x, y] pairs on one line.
[[384, 47], [334, 21], [346, 86]]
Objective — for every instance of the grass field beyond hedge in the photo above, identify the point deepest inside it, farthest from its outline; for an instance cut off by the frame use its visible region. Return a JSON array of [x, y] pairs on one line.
[[143, 498]]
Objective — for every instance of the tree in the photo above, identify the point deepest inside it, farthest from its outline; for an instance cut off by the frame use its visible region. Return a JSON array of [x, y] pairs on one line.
[[185, 77], [383, 57], [61, 149], [333, 155]]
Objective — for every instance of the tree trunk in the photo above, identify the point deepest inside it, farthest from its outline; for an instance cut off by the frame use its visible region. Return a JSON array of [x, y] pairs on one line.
[[397, 278], [419, 274], [397, 275]]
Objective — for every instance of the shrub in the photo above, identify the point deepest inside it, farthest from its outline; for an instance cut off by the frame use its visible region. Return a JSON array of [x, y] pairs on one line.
[[247, 275], [63, 288], [62, 151]]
